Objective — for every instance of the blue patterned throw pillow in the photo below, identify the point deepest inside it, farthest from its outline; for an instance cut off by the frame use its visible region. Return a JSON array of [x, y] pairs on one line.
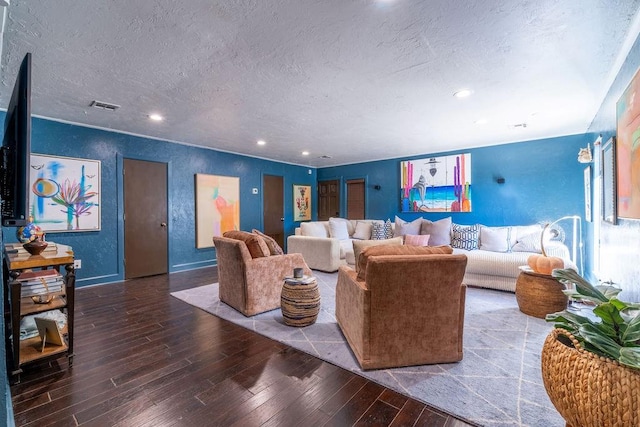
[[388, 229], [465, 236], [377, 231]]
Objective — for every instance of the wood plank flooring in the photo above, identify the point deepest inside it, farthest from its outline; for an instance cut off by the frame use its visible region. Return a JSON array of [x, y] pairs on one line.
[[144, 358]]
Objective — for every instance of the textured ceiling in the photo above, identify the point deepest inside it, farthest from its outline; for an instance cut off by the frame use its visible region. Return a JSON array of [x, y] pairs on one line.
[[356, 80]]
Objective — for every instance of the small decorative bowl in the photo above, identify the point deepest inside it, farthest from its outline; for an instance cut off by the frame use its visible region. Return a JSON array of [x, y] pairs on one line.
[[36, 247]]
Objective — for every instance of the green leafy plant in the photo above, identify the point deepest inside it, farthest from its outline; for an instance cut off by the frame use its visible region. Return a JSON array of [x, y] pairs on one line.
[[614, 329]]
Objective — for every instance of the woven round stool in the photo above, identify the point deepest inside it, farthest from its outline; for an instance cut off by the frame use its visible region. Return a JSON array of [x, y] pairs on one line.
[[300, 303], [539, 294]]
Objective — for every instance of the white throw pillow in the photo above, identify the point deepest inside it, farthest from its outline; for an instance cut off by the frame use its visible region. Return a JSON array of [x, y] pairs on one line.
[[351, 228], [363, 230], [495, 239], [520, 231], [338, 229], [529, 243], [403, 227], [313, 229]]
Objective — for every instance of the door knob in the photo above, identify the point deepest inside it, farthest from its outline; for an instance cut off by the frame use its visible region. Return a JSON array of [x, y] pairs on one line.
[[282, 219], [163, 224]]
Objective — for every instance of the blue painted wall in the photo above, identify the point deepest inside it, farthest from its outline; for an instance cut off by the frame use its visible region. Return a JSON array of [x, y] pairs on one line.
[[101, 252], [544, 181]]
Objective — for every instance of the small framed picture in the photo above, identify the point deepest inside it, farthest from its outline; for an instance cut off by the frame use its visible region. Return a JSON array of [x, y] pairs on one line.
[[587, 193], [301, 202]]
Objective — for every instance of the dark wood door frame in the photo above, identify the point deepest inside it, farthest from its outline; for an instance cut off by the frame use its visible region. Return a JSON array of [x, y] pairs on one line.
[[327, 206], [119, 274], [273, 207], [356, 202]]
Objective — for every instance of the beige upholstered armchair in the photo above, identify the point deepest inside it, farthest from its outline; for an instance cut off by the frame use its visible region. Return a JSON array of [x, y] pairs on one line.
[[404, 309], [250, 278]]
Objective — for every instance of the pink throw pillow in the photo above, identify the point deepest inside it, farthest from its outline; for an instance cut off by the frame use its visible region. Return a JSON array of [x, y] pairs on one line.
[[416, 240]]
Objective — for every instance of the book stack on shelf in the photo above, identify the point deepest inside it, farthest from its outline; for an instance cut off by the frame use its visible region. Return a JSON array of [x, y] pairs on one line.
[[16, 248], [42, 282]]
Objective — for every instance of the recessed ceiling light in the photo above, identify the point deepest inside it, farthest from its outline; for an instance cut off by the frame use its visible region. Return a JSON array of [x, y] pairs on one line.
[[156, 117], [261, 142], [463, 93], [305, 153], [481, 122]]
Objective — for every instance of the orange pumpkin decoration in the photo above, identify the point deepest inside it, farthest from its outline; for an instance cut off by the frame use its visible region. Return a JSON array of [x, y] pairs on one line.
[[544, 264]]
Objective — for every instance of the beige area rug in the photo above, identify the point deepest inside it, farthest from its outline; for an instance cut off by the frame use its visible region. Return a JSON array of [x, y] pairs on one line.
[[498, 382]]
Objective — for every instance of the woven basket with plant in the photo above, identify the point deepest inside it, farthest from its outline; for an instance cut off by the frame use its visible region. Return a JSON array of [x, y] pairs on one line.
[[591, 364]]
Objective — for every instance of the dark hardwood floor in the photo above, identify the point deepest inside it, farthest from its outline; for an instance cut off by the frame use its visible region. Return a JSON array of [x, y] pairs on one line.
[[144, 358]]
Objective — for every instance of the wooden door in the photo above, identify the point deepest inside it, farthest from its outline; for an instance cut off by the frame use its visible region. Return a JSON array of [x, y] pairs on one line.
[[328, 199], [145, 218], [355, 199], [273, 212]]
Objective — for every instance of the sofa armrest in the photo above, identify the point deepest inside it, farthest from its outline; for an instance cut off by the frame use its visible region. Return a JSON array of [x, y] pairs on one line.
[[353, 302], [320, 253]]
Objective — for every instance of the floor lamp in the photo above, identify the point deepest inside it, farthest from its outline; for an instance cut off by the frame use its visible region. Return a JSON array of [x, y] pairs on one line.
[[576, 238]]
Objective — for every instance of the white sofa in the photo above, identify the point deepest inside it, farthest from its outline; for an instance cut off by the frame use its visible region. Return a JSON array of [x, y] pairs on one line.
[[320, 251], [495, 264]]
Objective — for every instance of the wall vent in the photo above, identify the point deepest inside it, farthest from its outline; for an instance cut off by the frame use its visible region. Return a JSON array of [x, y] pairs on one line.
[[104, 105]]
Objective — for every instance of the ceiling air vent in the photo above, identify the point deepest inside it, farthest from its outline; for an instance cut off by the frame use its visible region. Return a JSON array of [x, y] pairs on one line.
[[104, 105], [324, 157], [519, 126]]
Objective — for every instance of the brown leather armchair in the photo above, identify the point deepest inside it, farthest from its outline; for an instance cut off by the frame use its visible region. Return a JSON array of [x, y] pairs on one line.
[[408, 310], [252, 284]]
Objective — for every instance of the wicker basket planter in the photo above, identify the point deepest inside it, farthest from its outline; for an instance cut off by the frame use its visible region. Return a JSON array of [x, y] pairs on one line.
[[586, 389]]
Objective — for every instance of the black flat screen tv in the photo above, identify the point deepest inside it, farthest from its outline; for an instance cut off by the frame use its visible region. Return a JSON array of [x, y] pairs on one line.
[[16, 151]]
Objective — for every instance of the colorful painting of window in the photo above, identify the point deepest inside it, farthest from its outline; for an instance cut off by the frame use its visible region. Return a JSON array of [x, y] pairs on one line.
[[436, 184], [217, 207], [65, 193]]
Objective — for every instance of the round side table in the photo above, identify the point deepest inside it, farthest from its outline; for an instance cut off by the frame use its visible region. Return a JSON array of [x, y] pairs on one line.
[[539, 294], [300, 302]]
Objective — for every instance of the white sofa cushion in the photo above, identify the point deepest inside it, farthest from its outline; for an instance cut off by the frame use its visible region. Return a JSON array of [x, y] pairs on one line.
[[440, 231], [338, 229], [351, 228], [520, 231], [404, 227], [314, 229], [528, 243], [363, 230], [496, 239]]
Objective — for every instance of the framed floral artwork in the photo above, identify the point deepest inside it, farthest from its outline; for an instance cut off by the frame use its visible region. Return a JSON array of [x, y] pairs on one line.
[[301, 202], [64, 193]]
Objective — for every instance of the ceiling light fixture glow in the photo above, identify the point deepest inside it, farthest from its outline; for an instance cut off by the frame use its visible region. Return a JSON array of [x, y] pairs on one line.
[[463, 93], [156, 117], [261, 142], [305, 153]]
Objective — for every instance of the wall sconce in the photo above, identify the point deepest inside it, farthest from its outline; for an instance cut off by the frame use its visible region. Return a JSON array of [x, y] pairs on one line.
[[584, 155], [377, 187], [500, 180]]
